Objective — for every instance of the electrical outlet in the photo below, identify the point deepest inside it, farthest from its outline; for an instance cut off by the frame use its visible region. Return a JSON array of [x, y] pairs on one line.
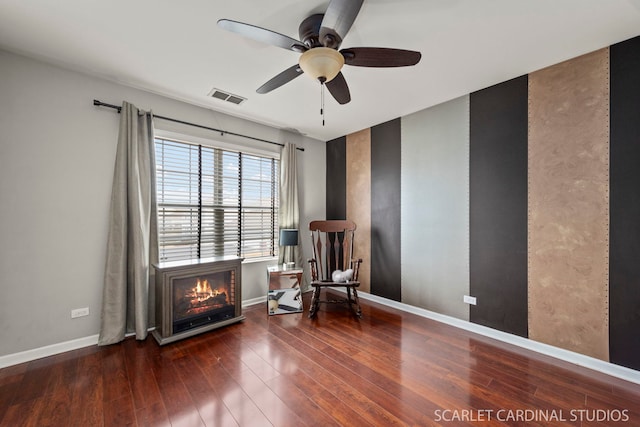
[[79, 312], [469, 300]]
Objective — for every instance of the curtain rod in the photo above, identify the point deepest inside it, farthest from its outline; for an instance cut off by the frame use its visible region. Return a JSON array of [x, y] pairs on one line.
[[169, 119]]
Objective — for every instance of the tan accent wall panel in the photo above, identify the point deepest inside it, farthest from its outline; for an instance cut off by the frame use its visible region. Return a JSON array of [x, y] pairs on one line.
[[568, 218], [359, 199]]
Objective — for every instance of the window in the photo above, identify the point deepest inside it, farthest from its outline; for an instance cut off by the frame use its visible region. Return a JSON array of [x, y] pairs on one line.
[[215, 202]]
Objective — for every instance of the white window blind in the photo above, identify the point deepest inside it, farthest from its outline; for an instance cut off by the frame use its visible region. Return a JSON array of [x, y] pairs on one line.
[[215, 202]]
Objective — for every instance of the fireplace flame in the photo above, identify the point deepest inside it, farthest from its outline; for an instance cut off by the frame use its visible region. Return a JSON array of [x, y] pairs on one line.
[[203, 291], [203, 287]]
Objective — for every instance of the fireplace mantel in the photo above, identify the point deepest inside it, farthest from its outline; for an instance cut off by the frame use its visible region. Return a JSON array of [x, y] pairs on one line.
[[196, 296]]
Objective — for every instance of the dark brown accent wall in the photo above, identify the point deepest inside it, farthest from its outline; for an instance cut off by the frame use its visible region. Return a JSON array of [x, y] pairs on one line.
[[385, 210], [336, 179], [624, 288], [498, 206]]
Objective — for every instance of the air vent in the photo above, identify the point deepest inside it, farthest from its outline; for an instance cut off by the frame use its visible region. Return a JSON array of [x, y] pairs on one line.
[[226, 96]]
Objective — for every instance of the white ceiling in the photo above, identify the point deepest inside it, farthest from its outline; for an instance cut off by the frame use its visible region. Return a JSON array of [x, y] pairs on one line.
[[176, 49]]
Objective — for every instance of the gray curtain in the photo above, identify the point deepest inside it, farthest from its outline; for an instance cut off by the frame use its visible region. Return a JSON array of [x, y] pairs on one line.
[[132, 244], [289, 211]]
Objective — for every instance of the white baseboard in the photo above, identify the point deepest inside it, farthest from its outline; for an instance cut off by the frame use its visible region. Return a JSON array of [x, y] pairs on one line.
[[254, 301], [49, 350], [53, 349], [558, 353], [548, 350]]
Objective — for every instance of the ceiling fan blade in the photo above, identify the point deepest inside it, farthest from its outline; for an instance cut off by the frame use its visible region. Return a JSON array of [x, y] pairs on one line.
[[284, 77], [380, 57], [338, 20], [262, 35], [339, 89]]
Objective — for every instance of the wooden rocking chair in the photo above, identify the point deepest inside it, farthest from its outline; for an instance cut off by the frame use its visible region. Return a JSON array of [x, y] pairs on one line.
[[332, 243]]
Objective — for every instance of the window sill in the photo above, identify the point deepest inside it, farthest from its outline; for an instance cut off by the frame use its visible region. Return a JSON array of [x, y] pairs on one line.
[[262, 259]]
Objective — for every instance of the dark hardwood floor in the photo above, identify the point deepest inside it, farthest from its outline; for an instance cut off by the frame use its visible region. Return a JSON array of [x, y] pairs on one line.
[[388, 368]]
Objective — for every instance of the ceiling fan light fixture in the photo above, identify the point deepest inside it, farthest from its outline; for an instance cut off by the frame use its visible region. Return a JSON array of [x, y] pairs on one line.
[[321, 63]]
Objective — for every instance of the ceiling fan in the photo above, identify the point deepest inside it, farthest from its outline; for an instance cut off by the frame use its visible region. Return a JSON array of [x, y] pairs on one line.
[[321, 36]]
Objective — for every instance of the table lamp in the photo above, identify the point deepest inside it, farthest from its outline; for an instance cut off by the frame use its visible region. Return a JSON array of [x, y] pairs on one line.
[[289, 237]]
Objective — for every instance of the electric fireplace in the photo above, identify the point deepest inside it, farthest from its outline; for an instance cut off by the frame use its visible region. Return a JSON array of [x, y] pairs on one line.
[[196, 296]]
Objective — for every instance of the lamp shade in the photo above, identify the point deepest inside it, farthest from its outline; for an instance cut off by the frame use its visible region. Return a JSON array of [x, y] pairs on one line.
[[288, 237], [321, 63]]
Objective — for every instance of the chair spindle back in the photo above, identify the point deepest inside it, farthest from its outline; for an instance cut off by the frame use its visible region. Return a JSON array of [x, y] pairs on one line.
[[332, 243]]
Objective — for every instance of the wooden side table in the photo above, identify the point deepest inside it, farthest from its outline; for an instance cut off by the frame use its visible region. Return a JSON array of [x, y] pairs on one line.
[[279, 277]]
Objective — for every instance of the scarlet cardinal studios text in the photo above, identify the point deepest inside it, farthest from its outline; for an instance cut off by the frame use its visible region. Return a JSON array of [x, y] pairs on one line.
[[575, 415]]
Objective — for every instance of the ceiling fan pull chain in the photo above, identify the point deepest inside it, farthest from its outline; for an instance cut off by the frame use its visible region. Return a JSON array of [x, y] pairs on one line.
[[322, 101]]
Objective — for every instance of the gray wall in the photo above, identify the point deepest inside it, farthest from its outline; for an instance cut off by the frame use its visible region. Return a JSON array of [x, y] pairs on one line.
[[56, 164], [435, 208]]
